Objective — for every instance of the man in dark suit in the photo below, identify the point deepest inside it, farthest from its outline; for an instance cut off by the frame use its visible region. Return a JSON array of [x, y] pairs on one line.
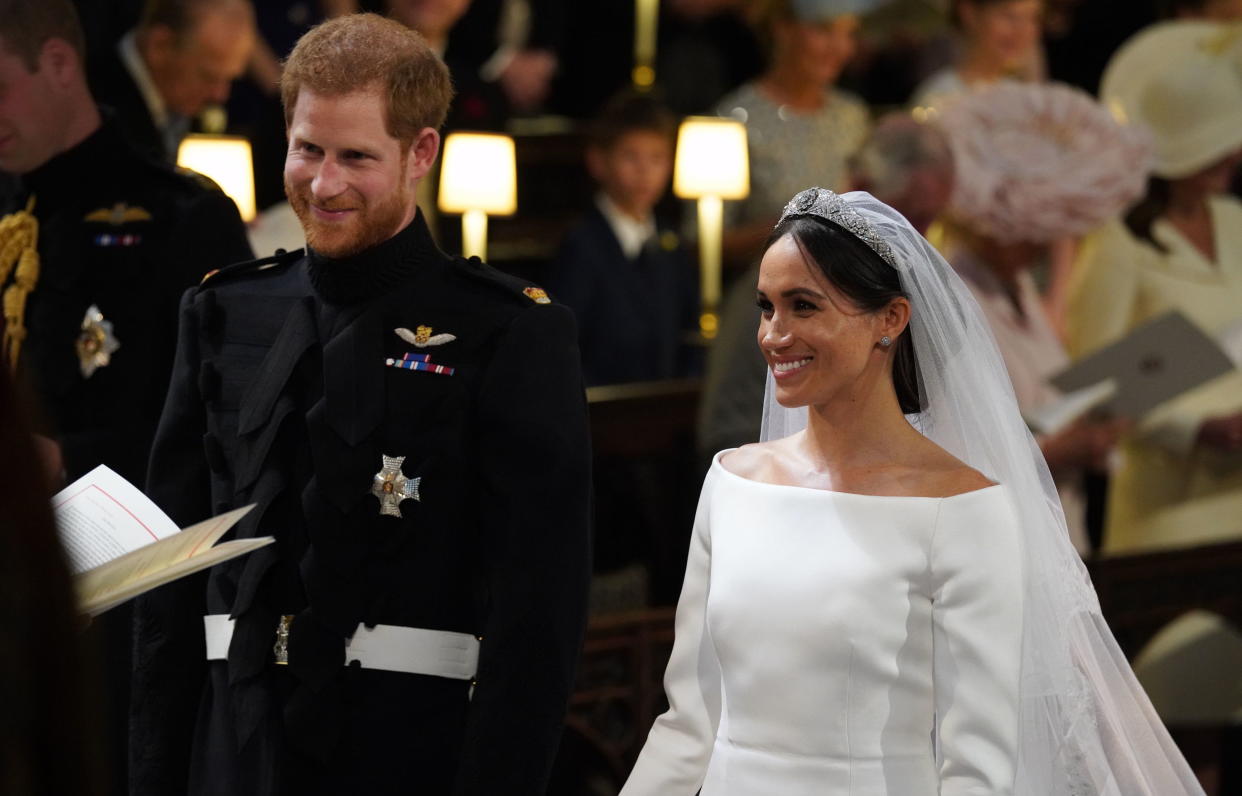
[[182, 57], [97, 246], [118, 237], [412, 429], [629, 283]]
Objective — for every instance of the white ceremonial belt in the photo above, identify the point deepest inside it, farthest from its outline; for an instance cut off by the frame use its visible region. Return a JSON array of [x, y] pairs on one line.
[[393, 648]]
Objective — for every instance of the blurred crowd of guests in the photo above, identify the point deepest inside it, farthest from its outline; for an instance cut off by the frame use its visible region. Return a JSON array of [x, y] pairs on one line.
[[846, 94]]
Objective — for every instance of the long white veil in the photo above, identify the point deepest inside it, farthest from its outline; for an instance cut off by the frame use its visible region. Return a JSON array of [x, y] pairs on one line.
[[1086, 726]]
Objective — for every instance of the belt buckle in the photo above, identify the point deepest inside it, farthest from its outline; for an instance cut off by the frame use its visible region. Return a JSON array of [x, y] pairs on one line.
[[281, 647]]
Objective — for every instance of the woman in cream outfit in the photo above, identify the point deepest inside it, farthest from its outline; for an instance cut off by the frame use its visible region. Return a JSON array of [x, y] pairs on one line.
[[1180, 481], [865, 611]]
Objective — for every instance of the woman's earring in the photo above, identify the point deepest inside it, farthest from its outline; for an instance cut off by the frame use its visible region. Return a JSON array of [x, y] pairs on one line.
[[886, 341]]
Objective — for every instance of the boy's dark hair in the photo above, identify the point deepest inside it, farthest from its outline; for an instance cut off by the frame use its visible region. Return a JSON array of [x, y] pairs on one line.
[[630, 112]]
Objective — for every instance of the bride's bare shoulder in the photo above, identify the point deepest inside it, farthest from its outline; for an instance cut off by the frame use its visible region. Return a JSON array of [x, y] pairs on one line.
[[758, 461], [944, 475]]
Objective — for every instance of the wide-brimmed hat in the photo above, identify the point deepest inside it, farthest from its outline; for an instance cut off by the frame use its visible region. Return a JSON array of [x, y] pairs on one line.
[[1181, 80], [1038, 162]]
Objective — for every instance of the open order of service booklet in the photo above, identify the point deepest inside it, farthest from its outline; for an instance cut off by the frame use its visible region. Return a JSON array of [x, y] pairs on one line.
[[120, 544], [1156, 362]]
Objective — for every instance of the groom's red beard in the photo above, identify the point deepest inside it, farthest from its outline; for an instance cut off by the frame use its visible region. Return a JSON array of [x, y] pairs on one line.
[[366, 225]]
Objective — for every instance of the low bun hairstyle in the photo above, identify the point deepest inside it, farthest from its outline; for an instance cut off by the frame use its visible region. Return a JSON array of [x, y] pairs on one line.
[[865, 279]]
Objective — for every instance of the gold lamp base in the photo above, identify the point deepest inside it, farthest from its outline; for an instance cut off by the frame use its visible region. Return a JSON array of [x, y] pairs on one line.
[[709, 324]]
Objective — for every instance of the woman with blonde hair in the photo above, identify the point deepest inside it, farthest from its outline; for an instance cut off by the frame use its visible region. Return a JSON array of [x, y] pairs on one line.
[[799, 125]]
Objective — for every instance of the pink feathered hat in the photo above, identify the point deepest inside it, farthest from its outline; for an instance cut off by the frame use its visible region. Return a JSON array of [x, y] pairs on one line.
[[1039, 162]]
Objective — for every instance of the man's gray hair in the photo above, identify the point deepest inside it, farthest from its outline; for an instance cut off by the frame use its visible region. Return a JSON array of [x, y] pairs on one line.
[[899, 146], [181, 16]]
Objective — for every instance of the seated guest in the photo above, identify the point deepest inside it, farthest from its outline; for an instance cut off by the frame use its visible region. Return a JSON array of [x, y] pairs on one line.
[[478, 104], [1179, 479], [182, 57], [801, 128], [909, 165], [514, 44], [1180, 248], [1033, 164], [629, 284]]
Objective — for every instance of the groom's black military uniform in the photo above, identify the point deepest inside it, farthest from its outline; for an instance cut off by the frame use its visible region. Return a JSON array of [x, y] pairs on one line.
[[412, 430]]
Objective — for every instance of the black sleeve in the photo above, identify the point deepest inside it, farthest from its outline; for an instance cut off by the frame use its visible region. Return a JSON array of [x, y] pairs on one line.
[[535, 462], [169, 648]]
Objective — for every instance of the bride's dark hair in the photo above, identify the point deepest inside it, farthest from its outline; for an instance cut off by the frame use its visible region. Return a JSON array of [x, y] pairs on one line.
[[865, 279]]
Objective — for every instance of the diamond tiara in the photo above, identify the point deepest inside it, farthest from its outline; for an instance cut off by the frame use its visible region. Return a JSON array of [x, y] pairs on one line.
[[828, 205]]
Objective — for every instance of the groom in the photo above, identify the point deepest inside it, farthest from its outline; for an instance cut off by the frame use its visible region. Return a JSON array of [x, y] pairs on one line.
[[412, 429]]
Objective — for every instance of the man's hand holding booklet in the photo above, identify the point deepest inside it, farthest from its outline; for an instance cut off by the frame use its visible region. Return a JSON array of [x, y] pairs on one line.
[[120, 544]]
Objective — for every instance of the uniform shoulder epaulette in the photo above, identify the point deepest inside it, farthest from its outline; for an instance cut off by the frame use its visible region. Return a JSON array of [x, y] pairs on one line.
[[280, 259], [507, 283]]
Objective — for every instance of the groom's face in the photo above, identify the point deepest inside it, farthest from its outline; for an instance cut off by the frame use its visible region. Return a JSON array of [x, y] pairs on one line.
[[349, 181]]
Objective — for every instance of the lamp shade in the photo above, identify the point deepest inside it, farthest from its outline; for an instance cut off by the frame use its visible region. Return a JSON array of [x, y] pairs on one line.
[[225, 159], [478, 173], [711, 159]]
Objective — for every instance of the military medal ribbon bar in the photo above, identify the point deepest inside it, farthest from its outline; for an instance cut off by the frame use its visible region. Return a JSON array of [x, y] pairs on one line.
[[419, 362]]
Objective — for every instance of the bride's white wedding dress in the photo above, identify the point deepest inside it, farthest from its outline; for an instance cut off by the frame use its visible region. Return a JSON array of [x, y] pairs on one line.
[[834, 643]]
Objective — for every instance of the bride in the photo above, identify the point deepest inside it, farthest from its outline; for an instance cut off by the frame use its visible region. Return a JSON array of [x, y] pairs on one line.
[[881, 598]]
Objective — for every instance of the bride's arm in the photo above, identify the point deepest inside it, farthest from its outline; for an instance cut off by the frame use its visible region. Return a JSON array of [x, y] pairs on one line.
[[674, 760], [977, 637]]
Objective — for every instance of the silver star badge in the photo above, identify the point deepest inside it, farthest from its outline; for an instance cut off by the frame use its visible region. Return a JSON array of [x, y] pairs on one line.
[[392, 487], [96, 344]]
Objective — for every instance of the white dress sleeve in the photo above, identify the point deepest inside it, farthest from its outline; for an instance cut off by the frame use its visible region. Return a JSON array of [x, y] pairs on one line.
[[674, 760], [977, 602]]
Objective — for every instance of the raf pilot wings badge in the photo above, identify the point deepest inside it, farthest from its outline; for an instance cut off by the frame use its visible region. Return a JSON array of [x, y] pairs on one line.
[[422, 337], [120, 213]]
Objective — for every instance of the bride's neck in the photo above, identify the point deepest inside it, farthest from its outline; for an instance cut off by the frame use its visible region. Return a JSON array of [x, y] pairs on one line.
[[859, 430]]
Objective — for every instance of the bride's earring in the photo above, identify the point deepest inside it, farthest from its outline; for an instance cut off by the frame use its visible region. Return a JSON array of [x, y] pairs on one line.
[[886, 341]]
